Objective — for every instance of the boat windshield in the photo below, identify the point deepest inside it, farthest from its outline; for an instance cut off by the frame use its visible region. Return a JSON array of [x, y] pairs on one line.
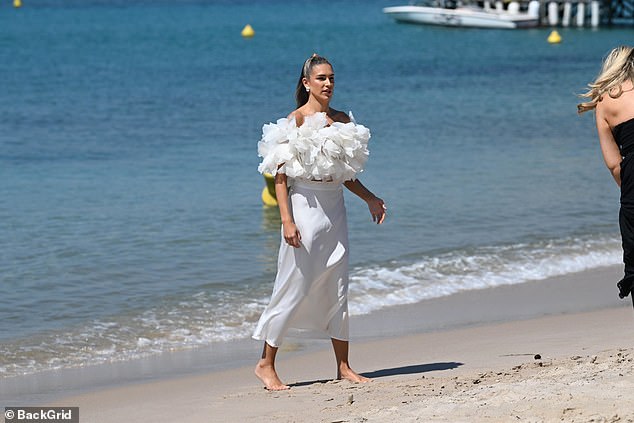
[[445, 4]]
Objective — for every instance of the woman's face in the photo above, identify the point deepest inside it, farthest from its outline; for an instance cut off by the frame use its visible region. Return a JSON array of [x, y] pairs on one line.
[[321, 82]]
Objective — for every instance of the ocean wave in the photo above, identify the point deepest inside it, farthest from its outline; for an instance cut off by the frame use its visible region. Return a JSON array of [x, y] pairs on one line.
[[208, 317], [447, 273]]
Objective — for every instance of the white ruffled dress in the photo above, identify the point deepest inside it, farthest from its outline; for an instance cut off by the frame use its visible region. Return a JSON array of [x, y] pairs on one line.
[[310, 295]]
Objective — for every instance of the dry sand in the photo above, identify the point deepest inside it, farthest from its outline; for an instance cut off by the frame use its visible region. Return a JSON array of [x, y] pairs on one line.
[[486, 374], [480, 373]]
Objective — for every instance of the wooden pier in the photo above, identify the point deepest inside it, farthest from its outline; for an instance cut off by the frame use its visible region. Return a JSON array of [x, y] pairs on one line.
[[572, 13], [591, 13], [618, 12]]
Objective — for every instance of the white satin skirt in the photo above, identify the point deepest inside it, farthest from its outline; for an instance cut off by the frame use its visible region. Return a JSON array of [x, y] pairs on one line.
[[310, 295]]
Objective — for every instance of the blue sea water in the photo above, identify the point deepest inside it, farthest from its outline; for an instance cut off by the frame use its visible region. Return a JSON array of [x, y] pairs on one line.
[[130, 212]]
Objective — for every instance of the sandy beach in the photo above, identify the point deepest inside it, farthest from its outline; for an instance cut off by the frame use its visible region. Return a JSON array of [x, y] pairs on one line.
[[137, 254], [549, 364]]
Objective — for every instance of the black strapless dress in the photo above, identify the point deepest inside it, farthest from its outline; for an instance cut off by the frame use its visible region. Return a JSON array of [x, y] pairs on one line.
[[624, 137]]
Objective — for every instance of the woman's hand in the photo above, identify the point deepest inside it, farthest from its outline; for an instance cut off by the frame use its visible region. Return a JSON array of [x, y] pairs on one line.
[[291, 234], [375, 204], [378, 209]]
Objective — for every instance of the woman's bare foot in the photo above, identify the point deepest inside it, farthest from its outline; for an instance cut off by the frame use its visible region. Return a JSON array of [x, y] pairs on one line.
[[269, 378], [347, 373]]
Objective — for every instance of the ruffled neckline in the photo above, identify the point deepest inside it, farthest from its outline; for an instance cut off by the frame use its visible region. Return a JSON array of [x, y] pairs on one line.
[[321, 119], [315, 150]]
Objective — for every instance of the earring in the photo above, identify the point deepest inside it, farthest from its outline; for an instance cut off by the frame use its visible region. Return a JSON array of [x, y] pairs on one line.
[[307, 89]]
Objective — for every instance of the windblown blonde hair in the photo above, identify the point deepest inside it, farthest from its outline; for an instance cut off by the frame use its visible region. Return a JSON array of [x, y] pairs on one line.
[[618, 67]]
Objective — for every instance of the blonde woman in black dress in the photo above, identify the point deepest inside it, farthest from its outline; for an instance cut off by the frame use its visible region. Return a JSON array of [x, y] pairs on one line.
[[611, 96]]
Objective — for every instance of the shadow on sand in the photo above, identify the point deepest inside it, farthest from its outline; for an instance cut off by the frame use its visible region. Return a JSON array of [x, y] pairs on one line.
[[404, 370], [408, 370]]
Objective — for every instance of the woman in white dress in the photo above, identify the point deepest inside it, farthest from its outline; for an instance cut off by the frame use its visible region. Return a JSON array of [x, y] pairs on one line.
[[312, 153]]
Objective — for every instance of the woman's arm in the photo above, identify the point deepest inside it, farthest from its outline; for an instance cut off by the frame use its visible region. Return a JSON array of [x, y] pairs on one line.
[[609, 148], [291, 233], [375, 204]]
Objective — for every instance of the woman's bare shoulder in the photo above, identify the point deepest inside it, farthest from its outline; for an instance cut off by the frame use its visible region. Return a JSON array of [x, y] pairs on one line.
[[615, 110], [298, 116], [339, 116]]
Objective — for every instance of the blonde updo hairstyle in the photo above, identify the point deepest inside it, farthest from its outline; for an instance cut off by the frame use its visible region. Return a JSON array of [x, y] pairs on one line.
[[618, 67]]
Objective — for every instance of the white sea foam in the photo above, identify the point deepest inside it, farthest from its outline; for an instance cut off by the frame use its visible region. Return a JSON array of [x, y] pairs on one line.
[[469, 269], [208, 317]]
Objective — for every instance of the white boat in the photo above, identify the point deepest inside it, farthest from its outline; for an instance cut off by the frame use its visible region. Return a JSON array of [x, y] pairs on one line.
[[449, 13]]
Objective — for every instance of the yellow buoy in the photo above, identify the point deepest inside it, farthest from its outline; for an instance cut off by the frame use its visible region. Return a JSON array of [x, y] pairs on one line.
[[247, 31], [268, 193], [17, 3], [554, 38]]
